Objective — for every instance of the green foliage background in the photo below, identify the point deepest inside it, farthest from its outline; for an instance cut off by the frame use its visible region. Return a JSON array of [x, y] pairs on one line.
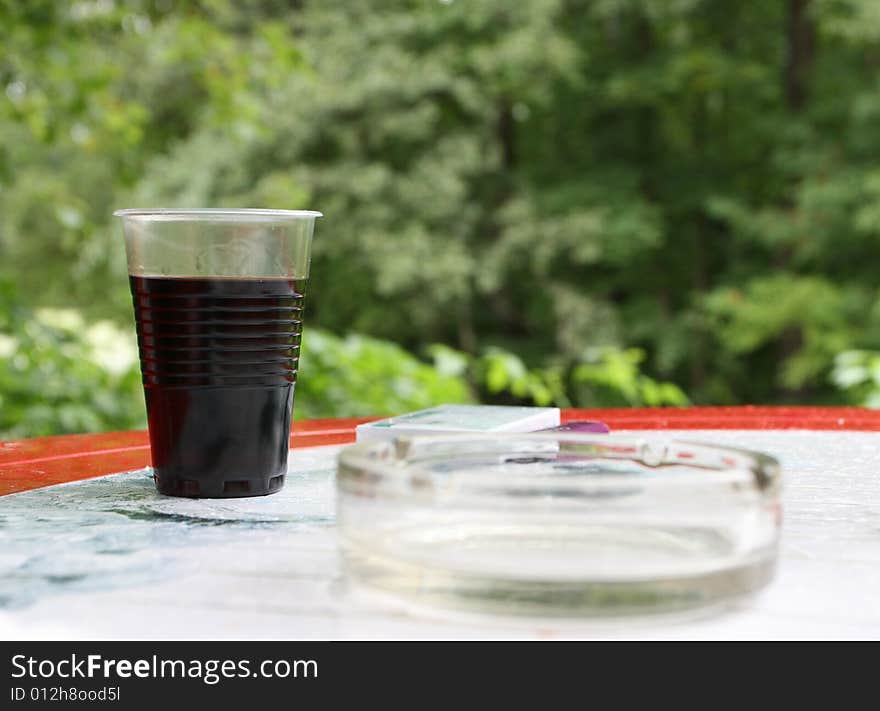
[[580, 202]]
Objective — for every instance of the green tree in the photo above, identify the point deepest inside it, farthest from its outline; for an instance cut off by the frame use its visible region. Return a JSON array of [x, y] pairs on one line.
[[584, 199]]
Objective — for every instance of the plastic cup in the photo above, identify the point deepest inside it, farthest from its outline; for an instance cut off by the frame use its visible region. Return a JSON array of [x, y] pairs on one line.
[[218, 298]]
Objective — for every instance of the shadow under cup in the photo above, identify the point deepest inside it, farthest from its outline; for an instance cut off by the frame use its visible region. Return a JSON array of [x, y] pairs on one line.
[[218, 299]]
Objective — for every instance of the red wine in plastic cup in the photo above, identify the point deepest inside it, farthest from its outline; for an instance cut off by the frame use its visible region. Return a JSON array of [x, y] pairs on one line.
[[218, 300]]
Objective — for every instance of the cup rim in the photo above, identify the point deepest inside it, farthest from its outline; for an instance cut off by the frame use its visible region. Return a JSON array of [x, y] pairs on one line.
[[215, 214]]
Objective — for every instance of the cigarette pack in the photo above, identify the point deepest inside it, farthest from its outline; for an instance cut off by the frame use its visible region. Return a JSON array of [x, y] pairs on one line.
[[445, 419]]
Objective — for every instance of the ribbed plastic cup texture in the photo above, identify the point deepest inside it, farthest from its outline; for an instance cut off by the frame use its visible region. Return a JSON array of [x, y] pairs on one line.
[[219, 348]]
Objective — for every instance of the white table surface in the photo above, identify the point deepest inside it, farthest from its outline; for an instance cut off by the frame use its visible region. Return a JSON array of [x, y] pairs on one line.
[[109, 558]]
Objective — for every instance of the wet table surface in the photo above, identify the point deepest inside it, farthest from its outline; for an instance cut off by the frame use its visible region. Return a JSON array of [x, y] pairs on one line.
[[108, 557]]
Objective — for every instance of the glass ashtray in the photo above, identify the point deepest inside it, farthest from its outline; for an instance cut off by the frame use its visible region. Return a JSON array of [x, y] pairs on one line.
[[558, 523]]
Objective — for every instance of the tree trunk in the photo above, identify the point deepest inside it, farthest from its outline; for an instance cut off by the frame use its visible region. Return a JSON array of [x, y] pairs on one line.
[[801, 49], [800, 33], [506, 135]]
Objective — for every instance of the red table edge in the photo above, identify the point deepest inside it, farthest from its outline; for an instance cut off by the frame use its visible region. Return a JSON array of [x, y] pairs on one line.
[[45, 461]]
